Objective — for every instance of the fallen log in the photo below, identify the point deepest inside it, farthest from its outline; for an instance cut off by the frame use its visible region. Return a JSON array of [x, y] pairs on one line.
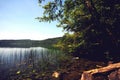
[[88, 75]]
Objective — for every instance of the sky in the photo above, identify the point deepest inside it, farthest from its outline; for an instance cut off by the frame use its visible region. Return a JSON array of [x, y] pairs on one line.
[[17, 21]]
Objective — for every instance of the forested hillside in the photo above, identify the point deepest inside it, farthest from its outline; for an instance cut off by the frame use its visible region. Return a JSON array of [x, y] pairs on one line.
[[29, 43]]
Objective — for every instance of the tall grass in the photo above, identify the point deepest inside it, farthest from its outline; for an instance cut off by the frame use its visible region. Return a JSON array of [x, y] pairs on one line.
[[51, 59]]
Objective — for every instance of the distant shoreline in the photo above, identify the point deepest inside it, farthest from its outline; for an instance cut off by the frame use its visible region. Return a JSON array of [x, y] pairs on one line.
[[27, 43]]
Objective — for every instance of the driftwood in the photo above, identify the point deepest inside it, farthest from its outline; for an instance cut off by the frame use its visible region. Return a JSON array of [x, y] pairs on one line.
[[88, 75]]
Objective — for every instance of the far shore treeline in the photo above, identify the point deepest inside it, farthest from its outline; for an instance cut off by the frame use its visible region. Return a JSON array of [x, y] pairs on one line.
[[26, 43]]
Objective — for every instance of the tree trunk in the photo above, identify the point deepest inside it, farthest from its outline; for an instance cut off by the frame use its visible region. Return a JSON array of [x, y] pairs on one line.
[[88, 75]]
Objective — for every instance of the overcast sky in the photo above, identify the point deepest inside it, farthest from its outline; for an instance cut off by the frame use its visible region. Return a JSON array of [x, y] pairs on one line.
[[17, 21]]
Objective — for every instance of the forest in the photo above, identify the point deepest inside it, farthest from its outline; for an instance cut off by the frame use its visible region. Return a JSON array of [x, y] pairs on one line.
[[92, 26], [92, 32], [47, 43]]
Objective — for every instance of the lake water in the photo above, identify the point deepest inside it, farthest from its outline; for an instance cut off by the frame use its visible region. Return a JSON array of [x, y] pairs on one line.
[[20, 59]]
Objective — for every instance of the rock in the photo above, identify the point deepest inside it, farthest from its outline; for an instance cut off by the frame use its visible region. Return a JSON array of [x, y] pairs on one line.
[[115, 75], [71, 76], [55, 74]]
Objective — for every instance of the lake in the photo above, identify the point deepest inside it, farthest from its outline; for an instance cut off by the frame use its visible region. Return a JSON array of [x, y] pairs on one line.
[[15, 61]]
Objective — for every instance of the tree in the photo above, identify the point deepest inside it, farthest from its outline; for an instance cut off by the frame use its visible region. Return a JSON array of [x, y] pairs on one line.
[[96, 21]]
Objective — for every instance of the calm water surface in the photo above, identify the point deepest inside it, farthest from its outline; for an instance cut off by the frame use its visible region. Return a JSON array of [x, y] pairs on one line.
[[22, 58]]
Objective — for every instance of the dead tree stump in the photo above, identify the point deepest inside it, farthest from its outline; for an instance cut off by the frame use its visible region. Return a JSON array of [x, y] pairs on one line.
[[112, 69]]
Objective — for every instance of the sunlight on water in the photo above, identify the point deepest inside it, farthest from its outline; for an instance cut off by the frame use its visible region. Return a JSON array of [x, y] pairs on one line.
[[19, 56], [15, 61]]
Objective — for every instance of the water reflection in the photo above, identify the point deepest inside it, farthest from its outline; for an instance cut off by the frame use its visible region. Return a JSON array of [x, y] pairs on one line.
[[21, 57], [27, 61]]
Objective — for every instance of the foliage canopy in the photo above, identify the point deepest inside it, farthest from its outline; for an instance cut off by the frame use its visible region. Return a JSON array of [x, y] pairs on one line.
[[95, 25]]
